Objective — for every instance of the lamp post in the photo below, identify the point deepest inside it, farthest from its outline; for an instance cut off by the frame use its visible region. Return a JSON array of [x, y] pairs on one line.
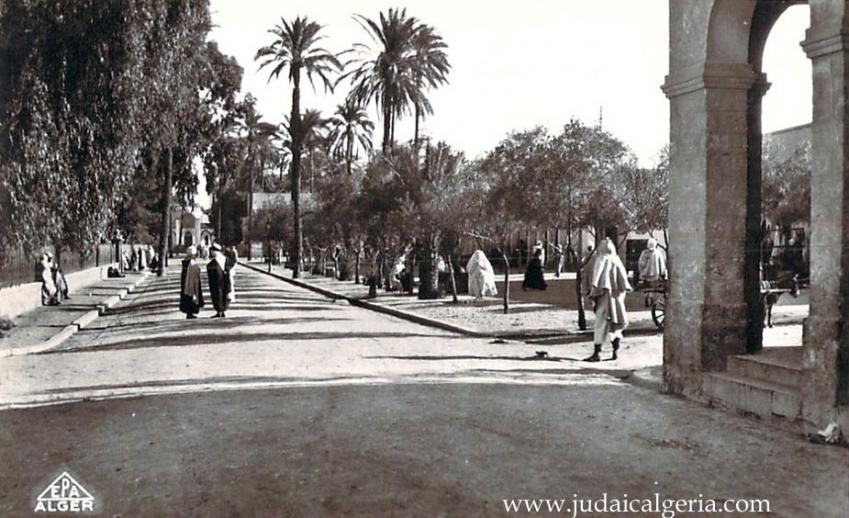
[[118, 240], [268, 241]]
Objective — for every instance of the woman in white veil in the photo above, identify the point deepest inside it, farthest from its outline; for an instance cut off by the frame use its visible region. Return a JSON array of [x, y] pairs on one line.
[[481, 276]]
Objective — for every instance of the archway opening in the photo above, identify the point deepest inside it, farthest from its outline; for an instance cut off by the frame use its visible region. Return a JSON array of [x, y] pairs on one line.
[[786, 181]]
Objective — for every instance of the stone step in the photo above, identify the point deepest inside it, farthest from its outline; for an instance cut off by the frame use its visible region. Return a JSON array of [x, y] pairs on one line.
[[769, 368], [759, 397]]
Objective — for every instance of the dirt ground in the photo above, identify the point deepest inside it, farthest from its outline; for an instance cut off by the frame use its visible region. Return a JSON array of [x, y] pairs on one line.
[[409, 450], [532, 312]]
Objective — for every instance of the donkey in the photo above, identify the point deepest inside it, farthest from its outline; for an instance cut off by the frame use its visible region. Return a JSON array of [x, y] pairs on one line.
[[771, 291]]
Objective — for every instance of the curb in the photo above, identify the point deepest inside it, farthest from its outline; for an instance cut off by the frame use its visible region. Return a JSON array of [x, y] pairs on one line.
[[418, 319], [640, 378], [581, 336], [75, 326]]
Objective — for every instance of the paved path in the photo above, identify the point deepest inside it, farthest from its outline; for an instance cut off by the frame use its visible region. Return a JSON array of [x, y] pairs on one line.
[[45, 326], [368, 416], [274, 334]]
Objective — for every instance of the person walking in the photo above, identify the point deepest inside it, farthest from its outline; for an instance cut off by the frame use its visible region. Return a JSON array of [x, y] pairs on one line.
[[232, 257], [558, 260], [219, 281], [191, 292], [608, 288], [534, 278]]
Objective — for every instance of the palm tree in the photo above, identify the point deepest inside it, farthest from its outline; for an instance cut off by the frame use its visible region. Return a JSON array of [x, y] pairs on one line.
[[296, 47], [351, 128], [256, 131], [430, 70], [313, 136], [283, 144], [384, 74]]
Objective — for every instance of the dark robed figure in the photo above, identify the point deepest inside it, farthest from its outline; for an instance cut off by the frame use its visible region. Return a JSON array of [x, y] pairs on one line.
[[191, 292], [219, 281], [534, 278]]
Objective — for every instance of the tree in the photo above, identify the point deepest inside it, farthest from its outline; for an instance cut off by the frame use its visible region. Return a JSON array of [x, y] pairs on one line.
[[430, 70], [296, 48], [787, 184], [312, 136], [232, 203], [255, 131], [384, 74], [69, 131], [173, 112], [351, 130], [572, 180], [223, 159], [432, 189]]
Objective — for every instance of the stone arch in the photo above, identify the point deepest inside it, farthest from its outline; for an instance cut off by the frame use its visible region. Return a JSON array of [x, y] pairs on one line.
[[728, 31], [715, 86]]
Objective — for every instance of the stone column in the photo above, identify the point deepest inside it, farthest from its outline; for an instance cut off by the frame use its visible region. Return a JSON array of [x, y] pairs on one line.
[[754, 216], [707, 316], [825, 386]]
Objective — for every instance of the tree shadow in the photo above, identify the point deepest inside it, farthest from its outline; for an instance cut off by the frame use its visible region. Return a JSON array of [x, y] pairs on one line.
[[213, 337], [527, 308], [471, 357], [184, 324], [276, 307]]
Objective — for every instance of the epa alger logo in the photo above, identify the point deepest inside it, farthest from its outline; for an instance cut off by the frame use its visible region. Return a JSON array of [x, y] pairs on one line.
[[64, 495]]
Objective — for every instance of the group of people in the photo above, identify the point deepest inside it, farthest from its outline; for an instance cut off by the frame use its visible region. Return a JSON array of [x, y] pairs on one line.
[[221, 273], [606, 286], [54, 286], [139, 257]]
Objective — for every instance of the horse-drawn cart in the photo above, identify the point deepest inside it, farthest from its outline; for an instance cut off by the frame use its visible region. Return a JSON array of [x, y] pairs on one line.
[[655, 293]]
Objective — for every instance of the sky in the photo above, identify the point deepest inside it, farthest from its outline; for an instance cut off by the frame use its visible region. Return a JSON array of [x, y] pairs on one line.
[[517, 64]]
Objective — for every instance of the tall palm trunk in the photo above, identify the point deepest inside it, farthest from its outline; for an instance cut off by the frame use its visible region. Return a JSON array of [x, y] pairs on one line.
[[387, 124], [453, 279], [416, 131], [166, 212], [429, 273], [298, 238], [579, 281], [349, 151], [218, 219], [392, 129], [506, 297], [357, 262], [250, 199]]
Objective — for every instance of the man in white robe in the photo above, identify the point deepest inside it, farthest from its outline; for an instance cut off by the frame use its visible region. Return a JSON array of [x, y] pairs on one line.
[[652, 264], [609, 285]]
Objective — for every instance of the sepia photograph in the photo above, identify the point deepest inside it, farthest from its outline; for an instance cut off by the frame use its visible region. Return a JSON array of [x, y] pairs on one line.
[[424, 258]]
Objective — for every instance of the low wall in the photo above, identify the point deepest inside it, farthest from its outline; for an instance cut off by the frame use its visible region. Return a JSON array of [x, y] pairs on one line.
[[561, 292], [19, 299]]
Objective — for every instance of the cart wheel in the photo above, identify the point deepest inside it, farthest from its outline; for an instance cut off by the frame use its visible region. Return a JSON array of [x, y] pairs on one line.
[[658, 310]]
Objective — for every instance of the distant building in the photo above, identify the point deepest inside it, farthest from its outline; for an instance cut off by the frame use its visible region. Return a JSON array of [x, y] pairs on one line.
[[784, 143], [191, 228]]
